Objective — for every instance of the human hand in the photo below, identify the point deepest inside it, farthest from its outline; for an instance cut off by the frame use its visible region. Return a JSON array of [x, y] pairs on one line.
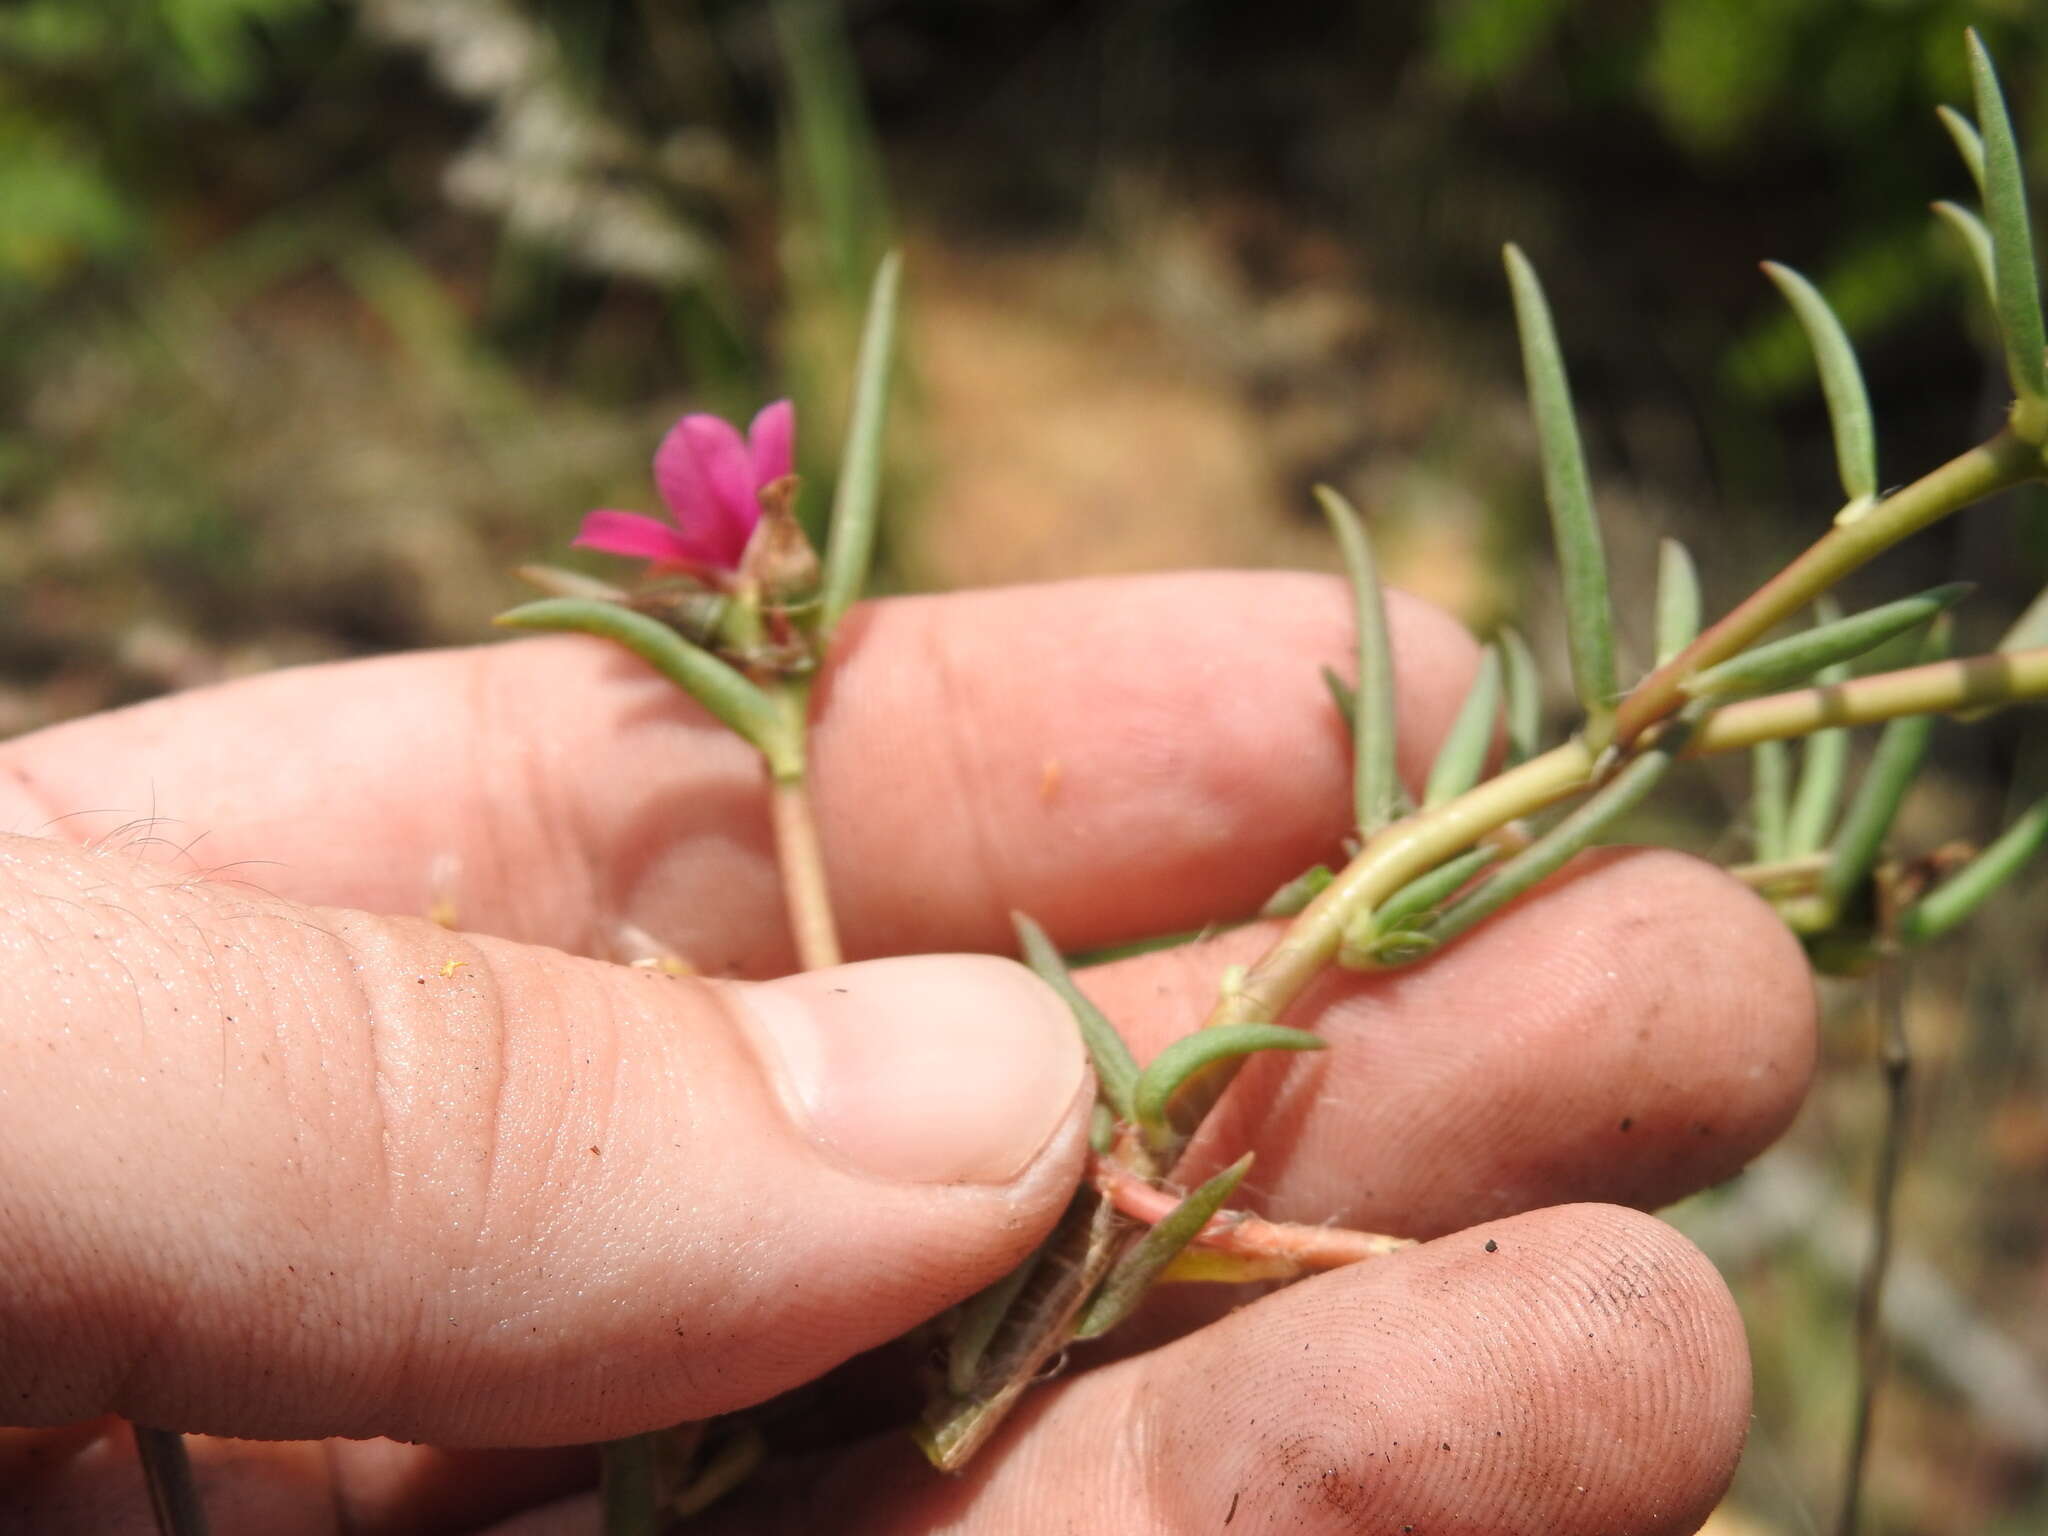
[[288, 1172]]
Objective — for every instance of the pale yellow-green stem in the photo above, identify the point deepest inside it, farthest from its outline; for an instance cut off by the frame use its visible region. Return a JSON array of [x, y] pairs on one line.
[[1409, 848], [2006, 461], [798, 852], [1782, 875], [1938, 688]]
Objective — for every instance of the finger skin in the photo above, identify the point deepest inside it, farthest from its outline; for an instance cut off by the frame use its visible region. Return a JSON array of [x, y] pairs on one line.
[[1586, 1374], [294, 1172], [87, 1482], [1118, 757]]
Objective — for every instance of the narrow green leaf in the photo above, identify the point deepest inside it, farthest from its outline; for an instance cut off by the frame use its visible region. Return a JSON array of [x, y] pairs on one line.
[[1425, 892], [1823, 762], [711, 682], [2012, 239], [1823, 769], [1783, 663], [1298, 892], [1152, 1099], [1524, 697], [979, 1318], [1589, 618], [1135, 1271], [1841, 381], [1678, 600], [1345, 697], [1977, 241], [1770, 798], [1116, 1071], [1376, 783], [1549, 853], [1894, 764], [1969, 144], [850, 543], [1462, 757], [1959, 896], [1102, 1125]]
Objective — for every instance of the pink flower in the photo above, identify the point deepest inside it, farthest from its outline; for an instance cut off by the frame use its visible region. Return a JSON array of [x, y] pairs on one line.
[[711, 482]]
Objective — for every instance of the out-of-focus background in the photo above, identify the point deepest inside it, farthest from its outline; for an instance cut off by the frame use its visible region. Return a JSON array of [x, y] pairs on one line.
[[320, 315]]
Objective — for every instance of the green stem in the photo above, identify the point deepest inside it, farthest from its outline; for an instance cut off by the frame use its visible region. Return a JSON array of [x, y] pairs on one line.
[[1401, 853], [629, 1485], [1999, 465], [1896, 1059], [173, 1497], [1937, 688], [798, 850]]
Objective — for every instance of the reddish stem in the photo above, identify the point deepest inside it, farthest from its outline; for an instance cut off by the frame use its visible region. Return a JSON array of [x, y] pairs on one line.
[[1240, 1232]]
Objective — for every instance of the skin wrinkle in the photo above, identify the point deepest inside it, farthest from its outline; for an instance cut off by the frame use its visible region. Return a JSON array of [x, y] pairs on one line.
[[406, 1332], [491, 1070], [313, 1067], [310, 1100], [26, 795], [524, 1074]]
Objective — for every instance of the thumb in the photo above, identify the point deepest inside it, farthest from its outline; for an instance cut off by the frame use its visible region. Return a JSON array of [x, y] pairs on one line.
[[292, 1172]]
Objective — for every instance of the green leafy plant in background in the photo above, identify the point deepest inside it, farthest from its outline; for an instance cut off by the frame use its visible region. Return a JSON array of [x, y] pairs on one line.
[[1735, 86], [62, 200]]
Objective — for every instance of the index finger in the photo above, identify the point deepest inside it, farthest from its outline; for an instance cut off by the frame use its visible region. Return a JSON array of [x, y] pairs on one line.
[[1118, 757]]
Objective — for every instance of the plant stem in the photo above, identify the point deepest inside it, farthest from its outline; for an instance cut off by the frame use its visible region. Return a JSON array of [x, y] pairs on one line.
[[797, 848], [1403, 851], [1077, 1257], [1239, 1233], [629, 1485], [1779, 876], [727, 1468], [1936, 688], [173, 1497], [1998, 465], [1895, 1055]]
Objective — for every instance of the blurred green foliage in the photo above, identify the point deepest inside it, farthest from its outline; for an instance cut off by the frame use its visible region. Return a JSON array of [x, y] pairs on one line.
[[1729, 77], [85, 89], [1739, 85]]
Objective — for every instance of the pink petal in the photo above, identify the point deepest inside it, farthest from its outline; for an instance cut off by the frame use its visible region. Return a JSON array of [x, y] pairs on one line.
[[772, 440], [703, 473], [677, 475], [637, 537]]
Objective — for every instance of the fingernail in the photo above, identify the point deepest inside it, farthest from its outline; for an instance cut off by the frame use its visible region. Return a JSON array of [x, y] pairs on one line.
[[933, 1069]]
